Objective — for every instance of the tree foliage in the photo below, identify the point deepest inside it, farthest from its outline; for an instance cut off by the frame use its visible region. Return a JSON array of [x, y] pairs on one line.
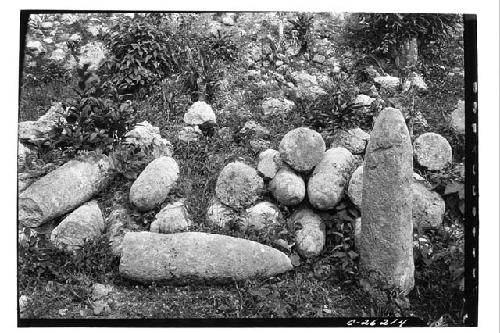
[[384, 33]]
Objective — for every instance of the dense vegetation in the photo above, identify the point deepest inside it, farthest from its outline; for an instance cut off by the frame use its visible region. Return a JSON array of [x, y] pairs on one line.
[[160, 64]]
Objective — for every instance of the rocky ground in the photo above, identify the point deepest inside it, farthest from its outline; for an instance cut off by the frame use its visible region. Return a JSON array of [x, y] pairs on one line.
[[248, 204]]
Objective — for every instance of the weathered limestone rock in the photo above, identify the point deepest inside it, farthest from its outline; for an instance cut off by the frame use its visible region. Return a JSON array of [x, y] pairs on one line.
[[197, 256], [220, 215], [307, 85], [457, 120], [238, 185], [262, 215], [432, 151], [85, 223], [352, 142], [310, 239], [199, 113], [288, 187], [277, 106], [154, 183], [39, 130], [386, 251], [302, 149], [269, 163], [428, 207], [326, 187], [146, 136], [172, 218], [63, 189]]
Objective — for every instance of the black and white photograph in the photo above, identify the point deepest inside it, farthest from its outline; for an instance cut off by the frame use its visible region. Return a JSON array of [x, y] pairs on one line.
[[247, 168]]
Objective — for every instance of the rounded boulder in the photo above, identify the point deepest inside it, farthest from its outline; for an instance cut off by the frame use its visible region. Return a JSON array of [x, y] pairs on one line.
[[238, 185], [152, 186], [302, 149], [432, 151], [288, 187], [310, 239]]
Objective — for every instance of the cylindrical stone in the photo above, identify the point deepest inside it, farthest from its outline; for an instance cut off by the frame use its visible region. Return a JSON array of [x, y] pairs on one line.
[[181, 257], [62, 190], [386, 251], [327, 185]]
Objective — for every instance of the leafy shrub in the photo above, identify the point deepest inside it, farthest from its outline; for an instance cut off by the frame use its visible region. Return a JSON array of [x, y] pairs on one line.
[[150, 49], [130, 161], [92, 122], [383, 33], [335, 109]]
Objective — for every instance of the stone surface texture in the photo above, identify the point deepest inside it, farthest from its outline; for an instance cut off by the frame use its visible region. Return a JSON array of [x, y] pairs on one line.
[[63, 190], [428, 207], [172, 218], [269, 163], [262, 215], [186, 256], [146, 136], [328, 183], [154, 183], [302, 149], [199, 113], [288, 187], [432, 151], [352, 142], [85, 223], [238, 185], [220, 215], [277, 106], [386, 251], [39, 130], [310, 238]]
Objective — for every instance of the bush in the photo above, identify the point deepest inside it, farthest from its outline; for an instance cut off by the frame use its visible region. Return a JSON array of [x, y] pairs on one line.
[[384, 33], [335, 109], [93, 122], [151, 49]]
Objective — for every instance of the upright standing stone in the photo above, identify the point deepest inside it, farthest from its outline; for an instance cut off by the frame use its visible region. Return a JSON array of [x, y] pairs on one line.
[[386, 252]]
